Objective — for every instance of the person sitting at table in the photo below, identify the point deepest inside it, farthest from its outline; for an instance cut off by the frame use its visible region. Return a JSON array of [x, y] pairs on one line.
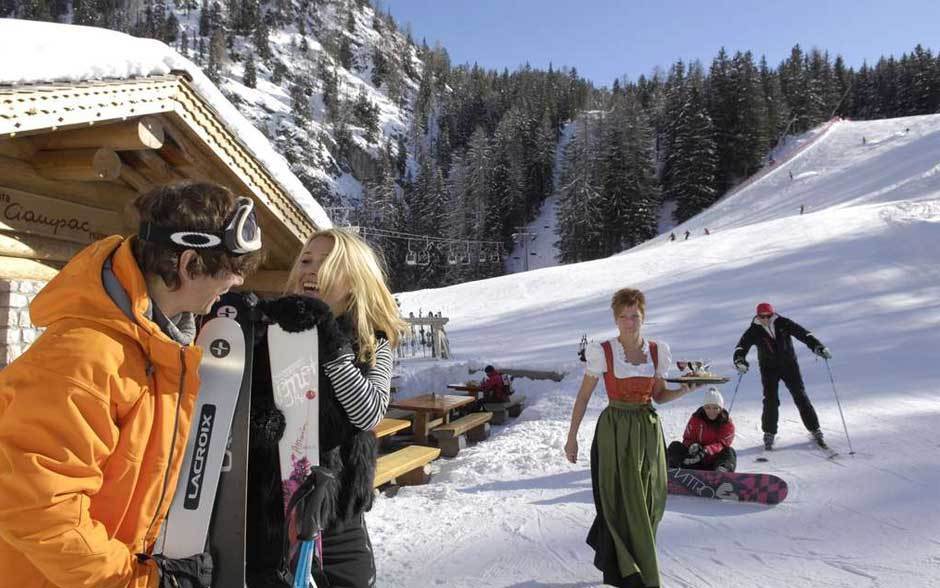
[[493, 387]]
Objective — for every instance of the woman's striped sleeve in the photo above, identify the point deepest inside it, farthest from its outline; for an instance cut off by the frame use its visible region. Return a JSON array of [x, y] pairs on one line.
[[364, 398]]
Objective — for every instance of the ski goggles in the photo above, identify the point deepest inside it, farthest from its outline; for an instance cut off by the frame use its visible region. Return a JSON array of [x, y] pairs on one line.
[[241, 235]]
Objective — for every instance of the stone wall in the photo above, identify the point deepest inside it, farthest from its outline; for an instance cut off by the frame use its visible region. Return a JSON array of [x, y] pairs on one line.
[[16, 330]]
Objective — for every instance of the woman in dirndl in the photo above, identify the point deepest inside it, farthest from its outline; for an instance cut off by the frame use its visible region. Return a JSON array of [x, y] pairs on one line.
[[628, 460]]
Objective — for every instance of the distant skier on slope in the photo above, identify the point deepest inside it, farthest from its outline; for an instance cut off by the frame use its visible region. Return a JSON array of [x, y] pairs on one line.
[[706, 443], [771, 333]]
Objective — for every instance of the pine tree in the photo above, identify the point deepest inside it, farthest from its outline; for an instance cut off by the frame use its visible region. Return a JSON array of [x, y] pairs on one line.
[[250, 78], [692, 159], [171, 28], [379, 67], [260, 39], [216, 56], [366, 115], [579, 221], [205, 27], [345, 52]]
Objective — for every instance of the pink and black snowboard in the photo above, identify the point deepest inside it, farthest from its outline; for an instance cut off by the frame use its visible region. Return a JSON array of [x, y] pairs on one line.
[[739, 486]]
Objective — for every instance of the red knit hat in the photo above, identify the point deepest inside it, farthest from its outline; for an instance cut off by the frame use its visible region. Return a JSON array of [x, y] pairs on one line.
[[765, 308]]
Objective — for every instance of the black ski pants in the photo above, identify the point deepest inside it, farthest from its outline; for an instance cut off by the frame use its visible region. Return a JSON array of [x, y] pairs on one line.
[[348, 560], [793, 380]]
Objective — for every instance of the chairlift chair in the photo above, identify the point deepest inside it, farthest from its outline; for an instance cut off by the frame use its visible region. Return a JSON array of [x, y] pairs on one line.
[[411, 258], [425, 258], [451, 256], [465, 258]]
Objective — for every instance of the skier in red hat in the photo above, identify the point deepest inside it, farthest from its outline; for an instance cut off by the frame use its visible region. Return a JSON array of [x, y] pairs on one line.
[[772, 333]]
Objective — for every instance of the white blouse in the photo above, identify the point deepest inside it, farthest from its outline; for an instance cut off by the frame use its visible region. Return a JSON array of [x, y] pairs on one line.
[[597, 363]]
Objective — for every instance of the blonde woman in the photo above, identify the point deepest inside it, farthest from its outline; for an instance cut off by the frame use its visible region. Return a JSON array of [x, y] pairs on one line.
[[628, 463], [336, 284]]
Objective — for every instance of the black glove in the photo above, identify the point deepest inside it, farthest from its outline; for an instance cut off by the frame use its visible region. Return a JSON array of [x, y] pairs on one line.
[[194, 571], [823, 351], [294, 313], [314, 502], [696, 454], [741, 365], [333, 342]]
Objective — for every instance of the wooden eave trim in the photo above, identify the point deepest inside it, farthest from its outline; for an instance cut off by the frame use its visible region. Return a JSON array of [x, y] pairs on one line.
[[208, 125], [28, 109]]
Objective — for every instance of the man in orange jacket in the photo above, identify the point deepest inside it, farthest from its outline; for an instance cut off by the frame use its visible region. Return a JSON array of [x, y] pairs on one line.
[[94, 416]]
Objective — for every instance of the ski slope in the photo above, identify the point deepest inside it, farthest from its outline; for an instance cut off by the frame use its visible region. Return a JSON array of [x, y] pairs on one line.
[[859, 268]]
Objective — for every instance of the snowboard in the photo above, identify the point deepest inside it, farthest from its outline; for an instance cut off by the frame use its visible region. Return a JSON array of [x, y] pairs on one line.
[[295, 381], [227, 529], [221, 372], [739, 486]]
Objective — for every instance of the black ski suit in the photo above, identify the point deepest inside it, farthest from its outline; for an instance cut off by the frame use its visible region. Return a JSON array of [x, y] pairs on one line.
[[777, 360]]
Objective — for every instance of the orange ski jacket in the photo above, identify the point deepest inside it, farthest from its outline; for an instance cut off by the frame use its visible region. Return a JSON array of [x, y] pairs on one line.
[[94, 418]]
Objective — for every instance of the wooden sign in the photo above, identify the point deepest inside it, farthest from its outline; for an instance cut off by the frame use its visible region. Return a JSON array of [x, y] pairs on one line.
[[40, 215]]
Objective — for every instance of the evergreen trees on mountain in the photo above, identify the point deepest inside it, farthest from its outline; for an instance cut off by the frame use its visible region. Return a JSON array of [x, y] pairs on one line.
[[483, 142]]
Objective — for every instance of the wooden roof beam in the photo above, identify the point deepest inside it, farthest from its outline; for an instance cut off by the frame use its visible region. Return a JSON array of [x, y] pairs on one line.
[[82, 165], [142, 133]]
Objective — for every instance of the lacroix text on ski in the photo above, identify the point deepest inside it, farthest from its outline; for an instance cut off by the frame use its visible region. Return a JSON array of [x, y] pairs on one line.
[[772, 335], [336, 285], [207, 419], [94, 417]]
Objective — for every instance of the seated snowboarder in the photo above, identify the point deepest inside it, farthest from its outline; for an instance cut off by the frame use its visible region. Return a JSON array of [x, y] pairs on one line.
[[493, 387], [706, 443]]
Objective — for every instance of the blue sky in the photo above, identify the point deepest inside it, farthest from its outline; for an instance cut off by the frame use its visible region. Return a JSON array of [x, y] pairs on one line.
[[606, 39]]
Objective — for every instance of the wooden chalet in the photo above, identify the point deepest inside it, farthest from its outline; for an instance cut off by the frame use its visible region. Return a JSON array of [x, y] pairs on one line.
[[74, 155]]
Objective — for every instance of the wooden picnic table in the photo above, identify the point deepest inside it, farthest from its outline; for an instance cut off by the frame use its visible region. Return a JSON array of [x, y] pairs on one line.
[[472, 389], [431, 410]]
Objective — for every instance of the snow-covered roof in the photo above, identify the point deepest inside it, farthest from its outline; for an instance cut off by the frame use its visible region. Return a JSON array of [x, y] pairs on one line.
[[53, 52]]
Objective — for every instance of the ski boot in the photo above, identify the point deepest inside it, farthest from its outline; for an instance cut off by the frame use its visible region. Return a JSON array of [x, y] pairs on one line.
[[768, 441], [818, 438]]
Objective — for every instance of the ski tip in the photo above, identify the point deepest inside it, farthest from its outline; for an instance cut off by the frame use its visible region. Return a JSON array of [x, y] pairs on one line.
[[762, 459]]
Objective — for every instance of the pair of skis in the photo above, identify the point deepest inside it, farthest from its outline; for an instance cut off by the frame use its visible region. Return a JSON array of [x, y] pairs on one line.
[[209, 502]]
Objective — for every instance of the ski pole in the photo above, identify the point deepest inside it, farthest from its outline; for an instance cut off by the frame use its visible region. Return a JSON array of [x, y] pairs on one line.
[[735, 395], [839, 404]]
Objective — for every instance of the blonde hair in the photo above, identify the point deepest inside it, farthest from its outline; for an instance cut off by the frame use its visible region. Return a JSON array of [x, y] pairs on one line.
[[628, 297], [353, 264]]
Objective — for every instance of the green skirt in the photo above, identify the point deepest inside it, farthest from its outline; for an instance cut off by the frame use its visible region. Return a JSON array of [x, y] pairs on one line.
[[628, 474]]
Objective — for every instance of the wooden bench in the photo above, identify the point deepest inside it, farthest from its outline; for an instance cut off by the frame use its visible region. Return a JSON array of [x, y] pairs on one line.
[[453, 436], [409, 466], [389, 426], [503, 410]]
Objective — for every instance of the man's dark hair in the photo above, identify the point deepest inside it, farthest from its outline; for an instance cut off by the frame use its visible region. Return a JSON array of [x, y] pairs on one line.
[[191, 206], [489, 369]]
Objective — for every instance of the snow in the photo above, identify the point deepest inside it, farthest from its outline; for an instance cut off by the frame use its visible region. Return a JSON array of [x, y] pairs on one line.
[[60, 53], [859, 269]]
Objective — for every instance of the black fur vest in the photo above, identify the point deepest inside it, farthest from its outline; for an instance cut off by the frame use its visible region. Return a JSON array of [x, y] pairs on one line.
[[348, 452]]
